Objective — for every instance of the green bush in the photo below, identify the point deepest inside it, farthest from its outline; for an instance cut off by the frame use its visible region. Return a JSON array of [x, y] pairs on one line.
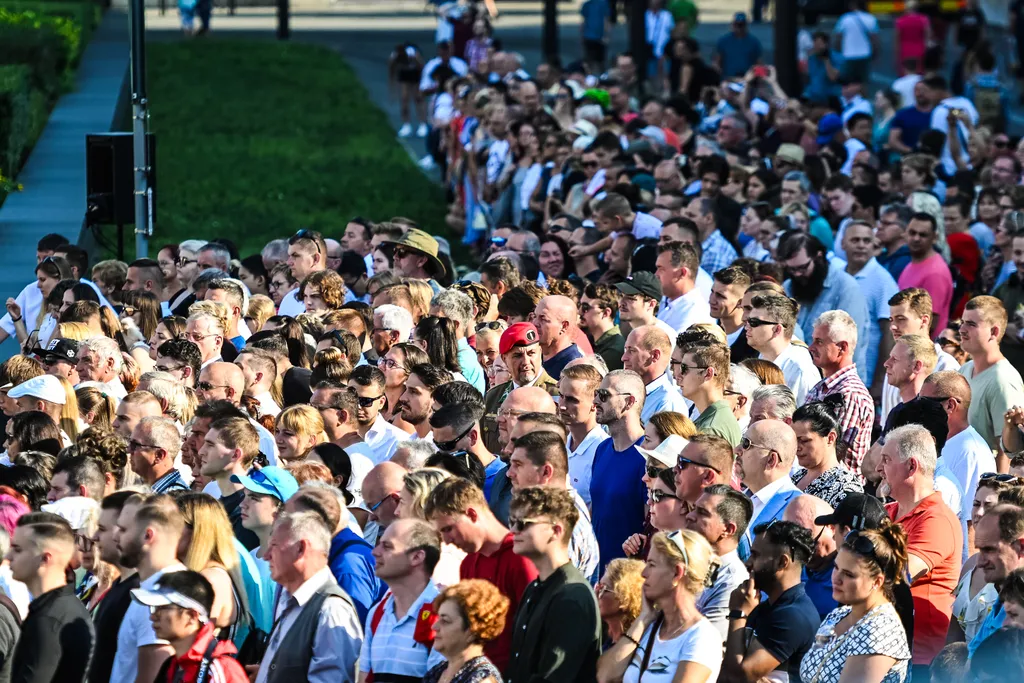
[[28, 36], [86, 15], [15, 117]]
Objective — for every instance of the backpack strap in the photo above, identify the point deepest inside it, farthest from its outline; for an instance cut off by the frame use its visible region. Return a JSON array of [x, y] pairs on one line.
[[378, 614]]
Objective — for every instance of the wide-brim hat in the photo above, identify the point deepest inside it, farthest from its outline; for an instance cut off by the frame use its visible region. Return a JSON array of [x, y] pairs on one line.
[[421, 242]]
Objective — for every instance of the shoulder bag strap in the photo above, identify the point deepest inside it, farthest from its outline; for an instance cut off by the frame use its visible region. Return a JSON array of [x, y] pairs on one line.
[[204, 665], [650, 645]]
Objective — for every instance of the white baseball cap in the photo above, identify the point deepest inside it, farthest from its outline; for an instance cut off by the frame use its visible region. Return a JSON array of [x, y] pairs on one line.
[[44, 387]]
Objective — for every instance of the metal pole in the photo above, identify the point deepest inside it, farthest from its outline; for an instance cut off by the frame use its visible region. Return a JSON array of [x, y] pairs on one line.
[[550, 35], [140, 122], [283, 10], [638, 38], [787, 20]]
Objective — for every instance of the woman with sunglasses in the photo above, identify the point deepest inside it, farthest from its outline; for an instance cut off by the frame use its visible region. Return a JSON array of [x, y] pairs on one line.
[[864, 639], [395, 365], [670, 635], [818, 447]]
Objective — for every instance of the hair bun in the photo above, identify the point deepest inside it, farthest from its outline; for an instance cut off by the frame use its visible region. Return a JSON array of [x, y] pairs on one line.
[[834, 404]]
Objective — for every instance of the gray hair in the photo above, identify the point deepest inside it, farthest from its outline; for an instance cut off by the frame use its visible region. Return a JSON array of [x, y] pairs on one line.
[[396, 318], [841, 327], [782, 398], [914, 441], [343, 521], [276, 250], [204, 278], [163, 433], [306, 526], [220, 252], [799, 177], [902, 211], [455, 305], [595, 361], [104, 348], [743, 380], [192, 245], [180, 404], [532, 242], [419, 451]]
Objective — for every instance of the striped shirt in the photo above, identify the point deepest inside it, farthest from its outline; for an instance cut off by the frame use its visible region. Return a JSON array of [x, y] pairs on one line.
[[169, 482], [858, 411], [390, 651], [718, 253]]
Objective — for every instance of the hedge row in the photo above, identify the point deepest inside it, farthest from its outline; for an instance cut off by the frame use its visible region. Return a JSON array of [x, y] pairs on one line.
[[42, 43]]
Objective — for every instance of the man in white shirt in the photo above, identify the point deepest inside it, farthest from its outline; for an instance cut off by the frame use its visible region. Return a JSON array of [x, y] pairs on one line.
[[909, 363], [380, 435], [147, 535], [770, 326], [260, 371], [648, 353], [951, 108], [307, 253], [856, 37], [765, 458], [576, 407], [676, 270]]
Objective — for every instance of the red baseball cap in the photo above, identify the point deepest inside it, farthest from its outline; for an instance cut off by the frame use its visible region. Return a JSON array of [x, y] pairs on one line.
[[519, 334]]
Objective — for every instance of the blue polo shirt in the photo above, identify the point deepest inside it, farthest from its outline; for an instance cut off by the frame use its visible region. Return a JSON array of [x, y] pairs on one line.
[[787, 628], [738, 54], [912, 122], [557, 362], [495, 469], [618, 496], [595, 13], [351, 562], [818, 586]]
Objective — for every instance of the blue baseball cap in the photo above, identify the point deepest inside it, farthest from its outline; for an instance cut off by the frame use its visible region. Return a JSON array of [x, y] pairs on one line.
[[269, 481], [828, 126]]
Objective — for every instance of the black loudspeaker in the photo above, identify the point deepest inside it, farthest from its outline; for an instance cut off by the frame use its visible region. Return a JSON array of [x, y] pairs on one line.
[[109, 178]]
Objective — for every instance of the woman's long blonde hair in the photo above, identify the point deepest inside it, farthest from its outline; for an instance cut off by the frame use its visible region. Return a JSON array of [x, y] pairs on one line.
[[213, 542], [69, 412], [699, 560]]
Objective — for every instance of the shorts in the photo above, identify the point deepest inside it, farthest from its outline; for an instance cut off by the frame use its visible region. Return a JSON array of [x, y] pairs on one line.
[[410, 75], [595, 51]]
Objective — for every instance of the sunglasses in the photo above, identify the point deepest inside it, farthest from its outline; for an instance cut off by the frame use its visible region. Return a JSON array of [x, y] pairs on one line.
[[605, 395], [449, 446], [183, 262], [305, 234], [492, 325], [682, 463], [657, 495], [518, 525], [367, 401], [654, 471], [589, 164], [746, 444], [209, 386], [758, 322], [1001, 478]]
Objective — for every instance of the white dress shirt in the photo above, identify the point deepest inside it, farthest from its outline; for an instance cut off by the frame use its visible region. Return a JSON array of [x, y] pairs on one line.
[[383, 438], [662, 395], [268, 406], [689, 309], [581, 461], [799, 370]]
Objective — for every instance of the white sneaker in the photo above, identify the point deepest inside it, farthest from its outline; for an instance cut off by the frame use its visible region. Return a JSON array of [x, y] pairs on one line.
[[426, 163], [422, 131], [405, 131]]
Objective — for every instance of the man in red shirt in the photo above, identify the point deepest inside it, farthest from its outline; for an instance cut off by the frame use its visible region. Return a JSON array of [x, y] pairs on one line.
[[458, 509], [934, 538]]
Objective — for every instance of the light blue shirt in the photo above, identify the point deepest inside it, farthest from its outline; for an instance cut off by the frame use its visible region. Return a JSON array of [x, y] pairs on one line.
[[470, 366], [713, 602], [662, 395], [841, 293], [992, 623], [878, 287]]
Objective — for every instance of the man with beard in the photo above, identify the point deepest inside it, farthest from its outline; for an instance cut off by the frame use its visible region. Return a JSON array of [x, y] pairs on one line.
[[112, 608], [148, 531], [820, 286], [878, 287], [417, 402], [617, 490], [726, 307], [831, 349], [521, 353], [380, 435], [777, 633]]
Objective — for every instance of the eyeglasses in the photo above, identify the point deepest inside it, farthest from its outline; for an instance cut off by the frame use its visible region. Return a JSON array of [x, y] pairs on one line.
[[800, 269], [605, 395], [183, 262], [390, 364], [589, 164], [657, 495], [373, 508], [519, 525], [134, 445], [682, 463], [758, 322], [305, 234], [731, 392], [448, 446], [169, 368], [209, 386], [509, 413]]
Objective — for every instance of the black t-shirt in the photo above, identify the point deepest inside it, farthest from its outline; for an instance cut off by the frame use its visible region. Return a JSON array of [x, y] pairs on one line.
[[971, 22], [787, 628], [233, 506], [107, 619]]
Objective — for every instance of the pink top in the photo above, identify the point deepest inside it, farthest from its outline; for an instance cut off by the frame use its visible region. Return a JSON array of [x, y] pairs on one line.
[[911, 36], [933, 276]]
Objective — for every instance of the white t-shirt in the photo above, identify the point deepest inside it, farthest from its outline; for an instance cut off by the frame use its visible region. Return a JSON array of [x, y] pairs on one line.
[[137, 631], [701, 644], [904, 86], [856, 29], [940, 121]]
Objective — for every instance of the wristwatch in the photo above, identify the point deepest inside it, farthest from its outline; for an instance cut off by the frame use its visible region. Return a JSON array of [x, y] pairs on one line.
[[736, 614]]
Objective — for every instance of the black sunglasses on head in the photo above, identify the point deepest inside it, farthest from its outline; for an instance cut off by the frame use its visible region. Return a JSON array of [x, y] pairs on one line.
[[306, 234]]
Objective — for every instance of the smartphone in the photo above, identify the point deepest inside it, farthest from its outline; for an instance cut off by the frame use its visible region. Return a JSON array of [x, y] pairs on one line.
[[761, 71]]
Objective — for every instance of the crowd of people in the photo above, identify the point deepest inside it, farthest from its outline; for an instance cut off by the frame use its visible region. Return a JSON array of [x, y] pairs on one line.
[[725, 392]]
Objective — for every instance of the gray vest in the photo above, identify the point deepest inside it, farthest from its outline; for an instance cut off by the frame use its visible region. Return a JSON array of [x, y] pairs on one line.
[[291, 661]]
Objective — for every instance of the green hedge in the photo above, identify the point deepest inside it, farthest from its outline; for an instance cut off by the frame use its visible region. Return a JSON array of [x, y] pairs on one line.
[[85, 15], [15, 116]]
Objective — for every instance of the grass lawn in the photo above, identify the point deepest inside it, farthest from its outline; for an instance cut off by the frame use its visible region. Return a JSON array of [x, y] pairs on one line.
[[256, 139]]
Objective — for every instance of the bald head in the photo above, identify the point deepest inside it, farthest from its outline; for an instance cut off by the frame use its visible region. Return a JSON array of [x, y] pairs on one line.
[[560, 308], [776, 435], [223, 381], [529, 400], [948, 383], [383, 482], [803, 510]]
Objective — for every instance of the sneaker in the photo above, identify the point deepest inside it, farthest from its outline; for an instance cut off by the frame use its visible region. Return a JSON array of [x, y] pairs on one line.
[[426, 163], [405, 131], [422, 131]]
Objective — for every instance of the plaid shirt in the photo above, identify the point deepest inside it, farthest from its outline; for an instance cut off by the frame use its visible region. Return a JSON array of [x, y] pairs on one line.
[[718, 253], [858, 412]]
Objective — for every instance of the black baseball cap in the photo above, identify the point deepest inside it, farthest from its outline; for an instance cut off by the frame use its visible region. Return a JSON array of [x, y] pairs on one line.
[[858, 511], [59, 350], [641, 282]]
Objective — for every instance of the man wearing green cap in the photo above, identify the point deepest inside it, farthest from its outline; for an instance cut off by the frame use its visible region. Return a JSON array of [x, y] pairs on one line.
[[416, 257]]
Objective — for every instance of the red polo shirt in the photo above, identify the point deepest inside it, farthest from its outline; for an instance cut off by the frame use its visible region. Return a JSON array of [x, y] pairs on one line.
[[934, 535], [511, 574]]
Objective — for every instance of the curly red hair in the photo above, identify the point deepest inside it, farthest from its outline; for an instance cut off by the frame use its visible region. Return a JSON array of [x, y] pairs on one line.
[[481, 604]]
